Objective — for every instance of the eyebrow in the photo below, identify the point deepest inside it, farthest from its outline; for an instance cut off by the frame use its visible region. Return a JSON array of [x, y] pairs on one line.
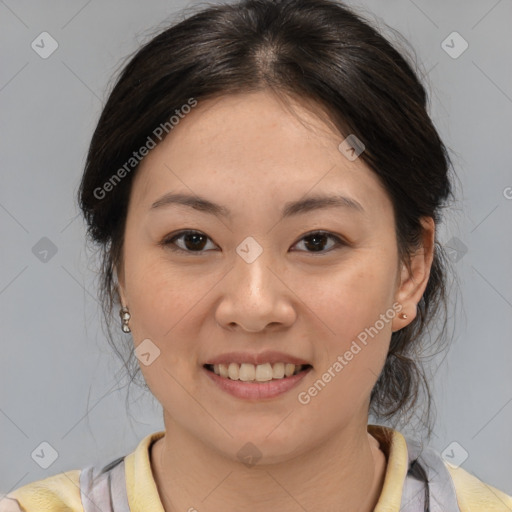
[[290, 208]]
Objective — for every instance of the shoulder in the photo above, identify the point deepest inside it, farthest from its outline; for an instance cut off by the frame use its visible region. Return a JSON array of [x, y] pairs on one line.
[[57, 493], [474, 495], [451, 488], [63, 491]]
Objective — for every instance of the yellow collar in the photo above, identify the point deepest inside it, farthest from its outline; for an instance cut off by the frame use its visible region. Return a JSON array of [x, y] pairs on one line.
[[143, 493]]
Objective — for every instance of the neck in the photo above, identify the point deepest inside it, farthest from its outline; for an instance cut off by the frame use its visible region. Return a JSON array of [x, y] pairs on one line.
[[346, 473]]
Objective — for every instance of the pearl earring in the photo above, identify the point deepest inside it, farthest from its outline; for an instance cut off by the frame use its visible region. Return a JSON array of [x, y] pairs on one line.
[[125, 317]]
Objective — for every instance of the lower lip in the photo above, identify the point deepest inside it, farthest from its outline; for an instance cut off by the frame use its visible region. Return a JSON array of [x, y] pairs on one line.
[[256, 390]]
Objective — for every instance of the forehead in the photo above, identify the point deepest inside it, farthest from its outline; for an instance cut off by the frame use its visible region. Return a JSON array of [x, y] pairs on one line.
[[253, 146]]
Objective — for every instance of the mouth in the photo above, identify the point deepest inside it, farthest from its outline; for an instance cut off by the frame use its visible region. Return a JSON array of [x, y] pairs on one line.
[[247, 372]]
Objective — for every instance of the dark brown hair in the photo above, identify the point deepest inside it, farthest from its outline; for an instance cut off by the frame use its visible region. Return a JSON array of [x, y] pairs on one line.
[[317, 50]]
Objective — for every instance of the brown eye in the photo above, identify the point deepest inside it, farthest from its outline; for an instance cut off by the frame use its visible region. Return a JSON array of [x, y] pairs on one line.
[[190, 241], [195, 242], [316, 241]]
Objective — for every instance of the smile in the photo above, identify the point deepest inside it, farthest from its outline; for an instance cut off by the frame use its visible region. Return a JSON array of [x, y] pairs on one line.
[[288, 376], [248, 372]]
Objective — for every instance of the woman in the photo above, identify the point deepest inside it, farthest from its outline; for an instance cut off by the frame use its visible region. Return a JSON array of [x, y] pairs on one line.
[[265, 183]]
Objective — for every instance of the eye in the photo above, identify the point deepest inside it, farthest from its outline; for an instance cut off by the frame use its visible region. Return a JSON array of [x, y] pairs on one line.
[[195, 241], [316, 240]]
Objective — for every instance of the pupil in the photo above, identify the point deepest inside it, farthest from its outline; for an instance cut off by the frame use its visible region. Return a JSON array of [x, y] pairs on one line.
[[317, 244], [194, 237]]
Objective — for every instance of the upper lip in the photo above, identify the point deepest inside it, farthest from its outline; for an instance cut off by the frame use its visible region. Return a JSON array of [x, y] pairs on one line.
[[269, 356]]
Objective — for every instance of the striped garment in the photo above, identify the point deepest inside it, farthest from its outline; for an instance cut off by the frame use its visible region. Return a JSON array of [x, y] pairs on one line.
[[417, 480]]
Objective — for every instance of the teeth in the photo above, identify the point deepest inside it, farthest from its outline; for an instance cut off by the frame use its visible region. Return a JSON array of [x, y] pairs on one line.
[[264, 372], [233, 371], [278, 371], [261, 373], [248, 372], [289, 369]]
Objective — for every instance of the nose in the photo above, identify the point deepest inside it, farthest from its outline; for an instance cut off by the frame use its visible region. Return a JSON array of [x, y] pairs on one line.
[[255, 296]]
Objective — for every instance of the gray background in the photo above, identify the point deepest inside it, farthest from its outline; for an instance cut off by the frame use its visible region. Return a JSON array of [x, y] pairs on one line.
[[58, 375]]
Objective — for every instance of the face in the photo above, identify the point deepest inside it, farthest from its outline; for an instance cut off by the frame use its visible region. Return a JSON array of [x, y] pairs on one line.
[[308, 284]]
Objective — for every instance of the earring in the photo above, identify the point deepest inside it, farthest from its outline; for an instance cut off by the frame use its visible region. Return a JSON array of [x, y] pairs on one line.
[[125, 317], [403, 315]]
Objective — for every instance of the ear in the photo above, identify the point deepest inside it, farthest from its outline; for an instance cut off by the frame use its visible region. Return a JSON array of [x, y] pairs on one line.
[[414, 281]]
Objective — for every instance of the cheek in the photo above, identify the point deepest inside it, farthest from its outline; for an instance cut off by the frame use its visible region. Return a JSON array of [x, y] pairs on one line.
[[164, 306], [357, 294], [161, 295], [355, 307]]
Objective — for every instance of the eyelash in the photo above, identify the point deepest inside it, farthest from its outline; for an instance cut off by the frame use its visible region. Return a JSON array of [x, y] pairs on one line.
[[169, 242]]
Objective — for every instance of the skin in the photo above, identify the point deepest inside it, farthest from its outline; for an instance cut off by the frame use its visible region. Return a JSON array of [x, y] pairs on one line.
[[252, 154]]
